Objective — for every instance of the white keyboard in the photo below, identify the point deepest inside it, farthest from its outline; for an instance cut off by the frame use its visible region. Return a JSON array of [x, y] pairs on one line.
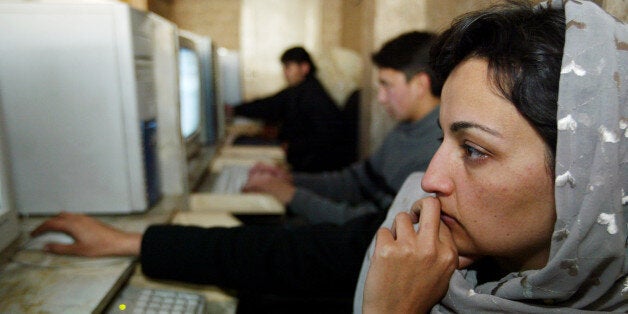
[[134, 300], [231, 179]]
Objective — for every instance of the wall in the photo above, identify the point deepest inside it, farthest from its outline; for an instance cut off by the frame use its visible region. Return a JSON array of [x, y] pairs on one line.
[[218, 19], [261, 29], [353, 25], [266, 34], [618, 8], [389, 19]]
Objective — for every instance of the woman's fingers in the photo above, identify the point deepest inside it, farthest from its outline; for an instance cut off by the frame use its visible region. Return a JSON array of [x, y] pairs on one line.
[[383, 237], [402, 227], [410, 270], [428, 210], [465, 261]]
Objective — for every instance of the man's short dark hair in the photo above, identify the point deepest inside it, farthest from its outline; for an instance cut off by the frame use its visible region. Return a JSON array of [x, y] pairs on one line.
[[409, 53], [299, 55]]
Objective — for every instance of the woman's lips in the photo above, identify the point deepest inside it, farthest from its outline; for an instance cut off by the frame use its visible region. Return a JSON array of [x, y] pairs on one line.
[[448, 220]]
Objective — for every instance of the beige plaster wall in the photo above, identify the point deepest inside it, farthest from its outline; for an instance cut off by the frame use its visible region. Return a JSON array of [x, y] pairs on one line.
[[618, 8], [262, 29], [269, 27], [354, 24], [395, 16], [218, 19], [389, 19]]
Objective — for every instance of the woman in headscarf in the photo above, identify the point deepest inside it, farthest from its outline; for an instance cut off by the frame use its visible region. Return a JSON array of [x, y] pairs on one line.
[[528, 207]]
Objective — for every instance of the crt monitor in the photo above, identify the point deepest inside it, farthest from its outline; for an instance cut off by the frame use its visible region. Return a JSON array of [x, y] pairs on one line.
[[171, 149], [190, 96], [196, 98], [197, 86], [229, 83], [9, 228], [230, 78]]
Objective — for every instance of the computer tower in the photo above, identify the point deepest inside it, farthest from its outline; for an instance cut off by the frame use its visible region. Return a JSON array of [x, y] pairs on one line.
[[78, 98]]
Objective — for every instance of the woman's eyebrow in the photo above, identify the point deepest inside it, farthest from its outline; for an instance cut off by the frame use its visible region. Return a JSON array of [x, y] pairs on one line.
[[461, 125]]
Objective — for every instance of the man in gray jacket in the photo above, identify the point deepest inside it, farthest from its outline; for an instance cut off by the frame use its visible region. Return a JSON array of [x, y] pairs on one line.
[[409, 94]]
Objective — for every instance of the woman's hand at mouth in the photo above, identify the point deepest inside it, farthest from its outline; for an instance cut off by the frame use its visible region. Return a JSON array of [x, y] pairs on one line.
[[410, 270], [415, 213]]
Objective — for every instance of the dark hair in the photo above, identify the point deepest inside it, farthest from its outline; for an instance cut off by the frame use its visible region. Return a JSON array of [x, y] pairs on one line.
[[298, 55], [523, 45], [409, 53]]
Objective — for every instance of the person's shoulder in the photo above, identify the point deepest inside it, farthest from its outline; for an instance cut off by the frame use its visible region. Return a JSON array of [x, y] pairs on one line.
[[315, 90], [310, 81]]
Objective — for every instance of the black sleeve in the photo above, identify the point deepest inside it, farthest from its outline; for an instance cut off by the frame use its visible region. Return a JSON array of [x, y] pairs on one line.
[[269, 109], [322, 258]]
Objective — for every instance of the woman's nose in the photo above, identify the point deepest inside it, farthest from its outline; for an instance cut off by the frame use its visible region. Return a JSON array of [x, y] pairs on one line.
[[437, 177]]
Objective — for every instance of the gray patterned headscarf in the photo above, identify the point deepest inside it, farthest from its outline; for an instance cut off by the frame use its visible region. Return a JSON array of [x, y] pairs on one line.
[[588, 259]]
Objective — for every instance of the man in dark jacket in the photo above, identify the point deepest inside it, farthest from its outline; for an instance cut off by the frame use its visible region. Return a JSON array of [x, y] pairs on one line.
[[312, 127]]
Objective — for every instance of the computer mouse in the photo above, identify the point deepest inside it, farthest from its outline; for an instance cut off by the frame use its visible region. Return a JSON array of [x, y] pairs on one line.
[[40, 241]]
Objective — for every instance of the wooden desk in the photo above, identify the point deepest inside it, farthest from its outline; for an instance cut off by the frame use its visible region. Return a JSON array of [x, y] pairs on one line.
[[36, 282], [247, 156], [219, 301], [252, 204], [243, 204]]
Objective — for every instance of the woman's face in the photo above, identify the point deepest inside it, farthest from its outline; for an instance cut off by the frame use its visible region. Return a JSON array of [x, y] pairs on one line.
[[490, 174]]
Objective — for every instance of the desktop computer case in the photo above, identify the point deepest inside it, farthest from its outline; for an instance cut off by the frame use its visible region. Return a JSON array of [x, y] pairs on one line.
[[77, 88], [171, 148]]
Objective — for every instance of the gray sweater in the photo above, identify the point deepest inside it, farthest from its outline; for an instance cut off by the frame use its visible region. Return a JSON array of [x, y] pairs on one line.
[[369, 185]]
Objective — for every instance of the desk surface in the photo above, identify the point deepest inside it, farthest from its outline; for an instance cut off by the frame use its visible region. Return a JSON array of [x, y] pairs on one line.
[[218, 300], [35, 281], [246, 203]]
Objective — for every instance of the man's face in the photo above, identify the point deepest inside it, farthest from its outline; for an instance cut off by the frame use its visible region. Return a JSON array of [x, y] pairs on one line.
[[295, 72], [398, 96]]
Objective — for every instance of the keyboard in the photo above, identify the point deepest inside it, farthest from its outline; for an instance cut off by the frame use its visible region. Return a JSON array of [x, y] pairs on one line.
[[138, 300], [231, 179]]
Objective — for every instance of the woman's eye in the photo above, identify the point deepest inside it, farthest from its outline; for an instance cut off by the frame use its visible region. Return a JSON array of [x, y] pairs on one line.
[[473, 153]]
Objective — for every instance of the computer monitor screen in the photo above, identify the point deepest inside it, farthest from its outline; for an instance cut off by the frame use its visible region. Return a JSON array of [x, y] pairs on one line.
[[189, 91], [202, 47], [196, 86]]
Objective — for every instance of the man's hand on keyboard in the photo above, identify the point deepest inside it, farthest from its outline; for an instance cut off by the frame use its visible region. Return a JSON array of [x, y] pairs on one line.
[[264, 182], [274, 170]]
